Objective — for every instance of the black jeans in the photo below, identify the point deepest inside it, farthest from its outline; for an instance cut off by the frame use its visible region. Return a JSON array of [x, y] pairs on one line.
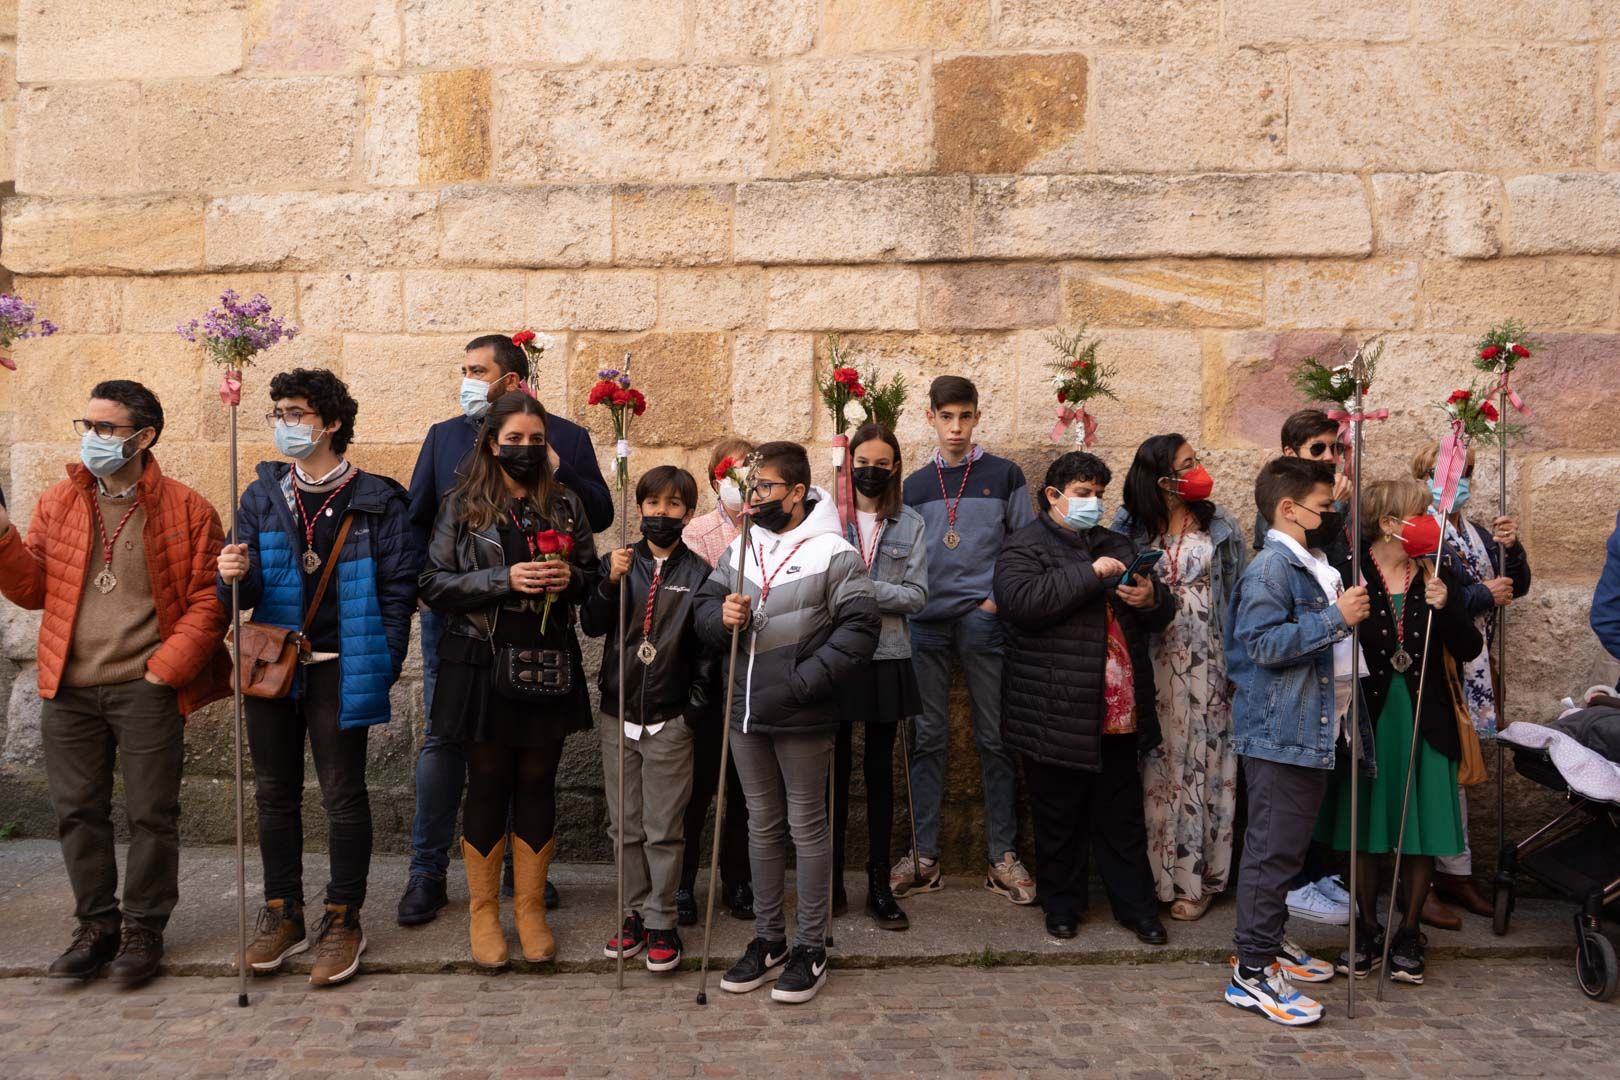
[[734, 869], [1075, 811], [510, 787], [277, 729], [877, 766], [86, 731]]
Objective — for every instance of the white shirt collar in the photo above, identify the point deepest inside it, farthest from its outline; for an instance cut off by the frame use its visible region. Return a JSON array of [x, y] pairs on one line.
[[337, 471], [1310, 555]]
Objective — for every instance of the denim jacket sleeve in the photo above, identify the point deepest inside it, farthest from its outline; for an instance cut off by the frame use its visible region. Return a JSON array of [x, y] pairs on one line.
[[1275, 633], [909, 595]]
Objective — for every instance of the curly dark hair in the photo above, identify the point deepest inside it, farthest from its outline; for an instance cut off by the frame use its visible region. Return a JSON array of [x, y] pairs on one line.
[[145, 411], [327, 394]]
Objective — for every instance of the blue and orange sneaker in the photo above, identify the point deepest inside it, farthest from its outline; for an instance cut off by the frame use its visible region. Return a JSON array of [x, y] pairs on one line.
[[1301, 966], [1268, 992]]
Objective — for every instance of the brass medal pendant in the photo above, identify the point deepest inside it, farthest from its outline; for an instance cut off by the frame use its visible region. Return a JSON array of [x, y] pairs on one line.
[[1401, 661], [105, 582], [952, 538], [647, 652], [310, 561]]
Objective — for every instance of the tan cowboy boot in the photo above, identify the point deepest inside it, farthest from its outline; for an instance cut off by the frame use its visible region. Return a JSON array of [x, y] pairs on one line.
[[489, 949], [529, 899]]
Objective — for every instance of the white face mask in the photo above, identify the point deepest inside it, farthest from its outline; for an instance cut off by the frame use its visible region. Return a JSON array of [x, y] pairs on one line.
[[731, 495], [474, 397]]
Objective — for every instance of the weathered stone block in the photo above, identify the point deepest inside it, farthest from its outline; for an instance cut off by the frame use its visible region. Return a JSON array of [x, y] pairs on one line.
[[773, 389], [719, 299], [686, 377], [1107, 22], [103, 236], [854, 117], [1567, 383], [416, 376], [694, 122], [158, 304], [1406, 108], [1572, 502], [463, 300], [1610, 153], [547, 226], [1247, 388], [1208, 111], [352, 301], [79, 305], [1140, 216], [1551, 20], [53, 385], [980, 297], [1200, 293], [681, 226], [1540, 292], [753, 30], [531, 32], [593, 299], [311, 35], [1266, 22], [128, 39], [78, 139], [1575, 213], [996, 114], [1332, 295], [452, 128], [1156, 375], [311, 231], [1439, 215], [842, 298], [898, 25], [888, 220]]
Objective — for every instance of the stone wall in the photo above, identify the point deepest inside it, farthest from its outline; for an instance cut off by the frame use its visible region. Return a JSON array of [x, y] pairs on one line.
[[1219, 187]]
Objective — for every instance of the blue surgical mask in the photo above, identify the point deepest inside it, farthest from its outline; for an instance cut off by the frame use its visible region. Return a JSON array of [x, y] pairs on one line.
[[1462, 493], [298, 441], [103, 456], [1083, 512], [474, 397]]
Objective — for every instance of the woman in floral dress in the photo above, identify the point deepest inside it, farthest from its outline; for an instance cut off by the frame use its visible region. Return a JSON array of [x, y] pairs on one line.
[[1190, 781]]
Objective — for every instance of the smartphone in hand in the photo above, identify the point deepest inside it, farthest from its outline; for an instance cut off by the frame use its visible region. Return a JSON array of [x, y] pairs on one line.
[[1144, 562]]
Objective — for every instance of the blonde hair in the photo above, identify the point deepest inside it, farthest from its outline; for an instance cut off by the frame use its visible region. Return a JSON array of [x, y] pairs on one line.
[[1399, 499], [732, 446], [1423, 462]]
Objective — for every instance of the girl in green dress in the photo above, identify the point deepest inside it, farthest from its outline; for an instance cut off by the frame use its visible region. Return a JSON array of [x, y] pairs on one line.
[[1404, 590]]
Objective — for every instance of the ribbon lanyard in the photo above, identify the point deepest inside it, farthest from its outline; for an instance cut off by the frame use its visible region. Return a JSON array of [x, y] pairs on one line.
[[1402, 660], [312, 561], [877, 538], [528, 537], [952, 537], [647, 652], [765, 587], [106, 581]]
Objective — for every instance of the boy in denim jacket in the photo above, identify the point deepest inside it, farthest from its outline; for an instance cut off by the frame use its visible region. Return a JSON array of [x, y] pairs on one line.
[[1289, 653]]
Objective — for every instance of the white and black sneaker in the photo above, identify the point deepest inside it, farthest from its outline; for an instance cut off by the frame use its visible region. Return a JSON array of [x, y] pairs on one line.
[[1406, 956], [757, 966], [802, 978]]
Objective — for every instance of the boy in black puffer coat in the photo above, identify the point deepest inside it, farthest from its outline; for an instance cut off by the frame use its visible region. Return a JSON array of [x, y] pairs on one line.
[[1078, 696]]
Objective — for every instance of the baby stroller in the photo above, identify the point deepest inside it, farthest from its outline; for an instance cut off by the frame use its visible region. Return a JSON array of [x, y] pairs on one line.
[[1577, 854]]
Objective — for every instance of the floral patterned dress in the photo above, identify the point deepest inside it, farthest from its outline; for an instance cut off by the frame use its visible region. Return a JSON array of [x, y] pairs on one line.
[[1190, 781]]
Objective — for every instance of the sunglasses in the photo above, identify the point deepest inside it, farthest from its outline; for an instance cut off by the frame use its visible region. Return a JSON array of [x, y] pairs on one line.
[[1320, 449]]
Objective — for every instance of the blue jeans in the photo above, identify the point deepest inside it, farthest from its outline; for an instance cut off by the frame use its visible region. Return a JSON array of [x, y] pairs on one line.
[[977, 641], [441, 772]]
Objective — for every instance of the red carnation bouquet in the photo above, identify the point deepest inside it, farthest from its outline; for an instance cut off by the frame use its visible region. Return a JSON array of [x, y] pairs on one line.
[[613, 389], [841, 387], [1078, 377], [526, 340], [551, 546], [1498, 353]]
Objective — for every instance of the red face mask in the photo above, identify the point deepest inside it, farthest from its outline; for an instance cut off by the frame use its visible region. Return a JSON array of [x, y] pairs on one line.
[[1195, 485], [1420, 536]]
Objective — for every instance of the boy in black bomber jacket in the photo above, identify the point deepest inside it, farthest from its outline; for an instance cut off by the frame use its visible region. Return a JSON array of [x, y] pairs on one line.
[[669, 691]]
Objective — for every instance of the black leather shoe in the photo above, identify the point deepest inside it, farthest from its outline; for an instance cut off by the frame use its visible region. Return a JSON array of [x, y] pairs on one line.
[[139, 954], [686, 913], [740, 900], [880, 903], [1149, 931], [423, 898], [1061, 924], [553, 897], [92, 947]]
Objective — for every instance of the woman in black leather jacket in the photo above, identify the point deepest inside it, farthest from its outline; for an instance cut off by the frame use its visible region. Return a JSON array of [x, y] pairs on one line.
[[511, 684]]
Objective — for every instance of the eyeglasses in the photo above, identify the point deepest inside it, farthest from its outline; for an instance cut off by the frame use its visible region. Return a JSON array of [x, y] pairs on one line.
[[1193, 464], [1321, 449], [762, 488], [290, 417], [104, 428]]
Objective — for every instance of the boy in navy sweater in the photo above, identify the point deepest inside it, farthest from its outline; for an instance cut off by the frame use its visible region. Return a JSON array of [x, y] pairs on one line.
[[969, 500]]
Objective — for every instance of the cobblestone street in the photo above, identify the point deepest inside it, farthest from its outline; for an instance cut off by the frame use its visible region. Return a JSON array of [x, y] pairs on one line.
[[1521, 1017]]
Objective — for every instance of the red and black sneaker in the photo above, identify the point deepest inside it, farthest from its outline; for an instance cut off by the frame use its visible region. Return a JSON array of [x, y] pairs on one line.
[[663, 950], [633, 935]]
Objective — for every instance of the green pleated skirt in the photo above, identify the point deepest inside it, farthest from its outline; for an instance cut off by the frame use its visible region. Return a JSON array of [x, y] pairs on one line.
[[1434, 821]]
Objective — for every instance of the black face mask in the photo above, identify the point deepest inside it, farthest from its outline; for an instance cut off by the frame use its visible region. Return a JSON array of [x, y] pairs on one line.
[[770, 516], [1325, 530], [523, 463], [870, 480], [663, 531]]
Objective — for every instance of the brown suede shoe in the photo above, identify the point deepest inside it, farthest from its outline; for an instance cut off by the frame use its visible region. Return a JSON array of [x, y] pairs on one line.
[[139, 954], [339, 941], [278, 935], [1461, 890]]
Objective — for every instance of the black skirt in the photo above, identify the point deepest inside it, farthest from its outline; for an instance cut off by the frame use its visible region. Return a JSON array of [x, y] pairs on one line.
[[882, 694], [466, 707]]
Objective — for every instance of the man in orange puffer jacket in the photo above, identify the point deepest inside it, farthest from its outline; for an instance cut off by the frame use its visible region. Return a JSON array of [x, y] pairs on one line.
[[121, 560]]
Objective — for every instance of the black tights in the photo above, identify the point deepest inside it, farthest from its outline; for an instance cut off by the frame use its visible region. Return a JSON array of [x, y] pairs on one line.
[[522, 778], [1417, 871], [878, 767]]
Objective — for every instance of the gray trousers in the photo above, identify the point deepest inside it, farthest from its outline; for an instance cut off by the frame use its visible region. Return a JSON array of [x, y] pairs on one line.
[[784, 780], [657, 785], [1284, 801], [86, 730]]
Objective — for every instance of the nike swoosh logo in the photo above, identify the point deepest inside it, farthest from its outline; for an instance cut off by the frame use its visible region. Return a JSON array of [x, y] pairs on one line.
[[772, 961], [817, 969]]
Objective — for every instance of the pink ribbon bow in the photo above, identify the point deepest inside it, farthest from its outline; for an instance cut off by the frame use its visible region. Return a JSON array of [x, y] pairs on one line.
[[230, 388], [1512, 395], [1449, 464], [1345, 419], [1067, 415], [843, 484]]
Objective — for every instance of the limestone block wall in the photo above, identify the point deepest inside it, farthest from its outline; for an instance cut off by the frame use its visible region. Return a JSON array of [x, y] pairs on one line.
[[1218, 187]]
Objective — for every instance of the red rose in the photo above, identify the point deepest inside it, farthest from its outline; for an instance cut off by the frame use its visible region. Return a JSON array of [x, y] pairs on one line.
[[1458, 395], [548, 542], [858, 390], [1490, 352], [723, 468], [1488, 411], [565, 544], [621, 396], [523, 337], [1062, 396], [1520, 351], [846, 376], [638, 403]]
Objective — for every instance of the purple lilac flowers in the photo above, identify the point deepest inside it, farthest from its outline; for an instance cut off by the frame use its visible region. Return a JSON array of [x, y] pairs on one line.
[[233, 333], [17, 322]]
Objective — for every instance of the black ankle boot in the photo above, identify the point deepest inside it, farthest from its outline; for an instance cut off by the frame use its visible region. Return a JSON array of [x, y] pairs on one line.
[[880, 904]]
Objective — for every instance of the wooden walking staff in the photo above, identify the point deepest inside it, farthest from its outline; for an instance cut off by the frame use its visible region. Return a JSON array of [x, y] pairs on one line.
[[740, 583]]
